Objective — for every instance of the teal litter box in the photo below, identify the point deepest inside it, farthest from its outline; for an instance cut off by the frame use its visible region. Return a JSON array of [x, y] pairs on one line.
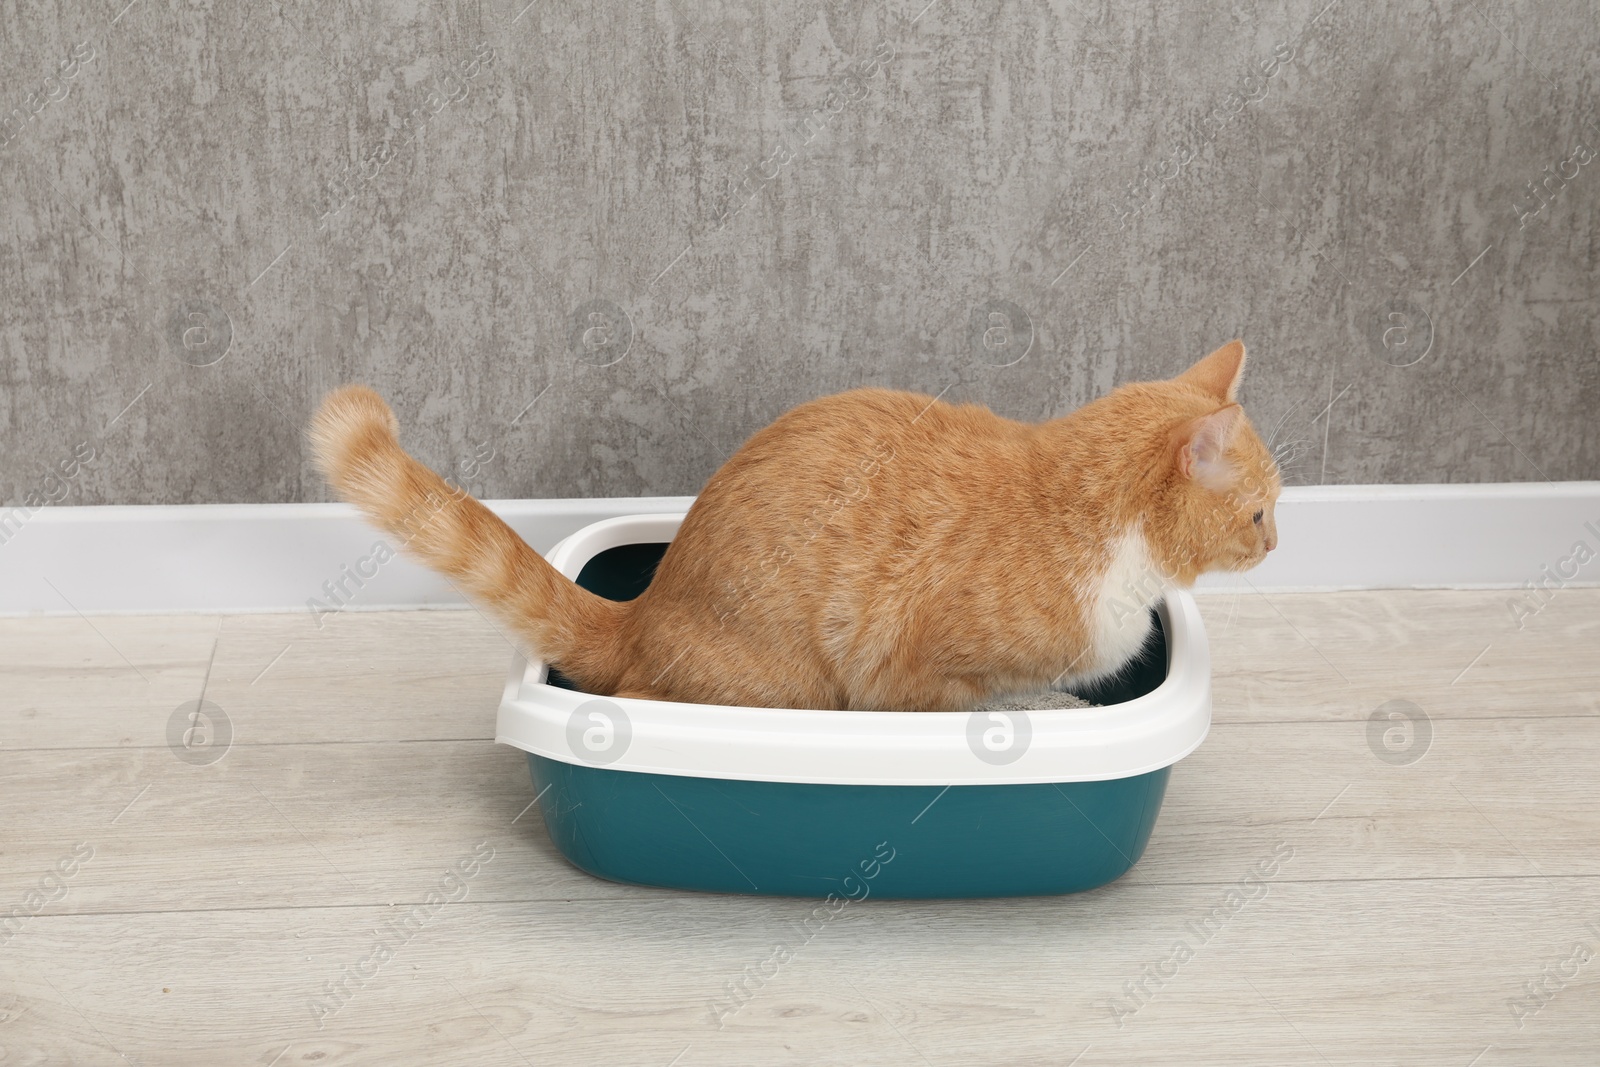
[[851, 804]]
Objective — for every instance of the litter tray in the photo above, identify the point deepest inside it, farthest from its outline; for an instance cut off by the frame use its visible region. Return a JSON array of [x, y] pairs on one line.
[[851, 804]]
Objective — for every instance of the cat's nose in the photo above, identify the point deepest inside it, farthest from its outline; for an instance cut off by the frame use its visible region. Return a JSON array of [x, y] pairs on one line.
[[1272, 541]]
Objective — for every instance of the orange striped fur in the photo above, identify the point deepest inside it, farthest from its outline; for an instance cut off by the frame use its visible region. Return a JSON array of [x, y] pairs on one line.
[[874, 549]]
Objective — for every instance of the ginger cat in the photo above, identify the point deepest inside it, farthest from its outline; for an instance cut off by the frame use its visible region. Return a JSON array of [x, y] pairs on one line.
[[873, 550]]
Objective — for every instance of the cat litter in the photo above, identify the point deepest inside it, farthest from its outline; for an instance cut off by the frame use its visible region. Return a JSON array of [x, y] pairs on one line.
[[1016, 798]]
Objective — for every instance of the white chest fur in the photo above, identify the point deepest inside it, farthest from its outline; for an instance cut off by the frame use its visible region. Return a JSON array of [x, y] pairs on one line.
[[1120, 617]]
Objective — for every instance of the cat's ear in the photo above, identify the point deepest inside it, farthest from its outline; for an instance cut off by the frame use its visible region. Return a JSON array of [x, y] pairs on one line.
[[1219, 373], [1203, 446]]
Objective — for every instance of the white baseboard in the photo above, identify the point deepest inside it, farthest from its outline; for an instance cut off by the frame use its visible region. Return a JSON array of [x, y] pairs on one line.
[[276, 557], [1493, 536], [244, 557]]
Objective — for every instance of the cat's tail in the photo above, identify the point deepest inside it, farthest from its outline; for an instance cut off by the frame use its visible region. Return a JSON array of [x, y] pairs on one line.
[[354, 436]]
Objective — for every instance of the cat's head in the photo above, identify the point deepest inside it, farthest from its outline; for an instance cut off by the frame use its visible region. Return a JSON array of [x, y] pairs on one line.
[[1219, 483]]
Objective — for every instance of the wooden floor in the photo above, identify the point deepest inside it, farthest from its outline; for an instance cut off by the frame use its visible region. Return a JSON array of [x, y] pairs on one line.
[[1444, 911]]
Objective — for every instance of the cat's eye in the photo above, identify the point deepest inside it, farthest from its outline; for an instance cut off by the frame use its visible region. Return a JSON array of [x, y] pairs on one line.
[[1256, 518]]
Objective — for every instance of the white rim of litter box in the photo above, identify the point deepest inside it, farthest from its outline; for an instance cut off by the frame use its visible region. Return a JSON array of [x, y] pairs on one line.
[[858, 747]]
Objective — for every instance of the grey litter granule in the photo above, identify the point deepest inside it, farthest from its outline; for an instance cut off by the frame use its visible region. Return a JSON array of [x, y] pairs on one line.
[[1049, 700]]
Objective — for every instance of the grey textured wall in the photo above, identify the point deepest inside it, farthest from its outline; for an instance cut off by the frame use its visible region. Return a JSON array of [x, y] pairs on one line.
[[587, 249]]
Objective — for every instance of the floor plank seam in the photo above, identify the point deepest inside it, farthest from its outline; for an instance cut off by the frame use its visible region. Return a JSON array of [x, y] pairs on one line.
[[1215, 724], [665, 895]]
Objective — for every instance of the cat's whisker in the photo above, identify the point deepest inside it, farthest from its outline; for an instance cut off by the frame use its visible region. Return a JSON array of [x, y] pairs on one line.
[[1287, 452], [1278, 426]]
